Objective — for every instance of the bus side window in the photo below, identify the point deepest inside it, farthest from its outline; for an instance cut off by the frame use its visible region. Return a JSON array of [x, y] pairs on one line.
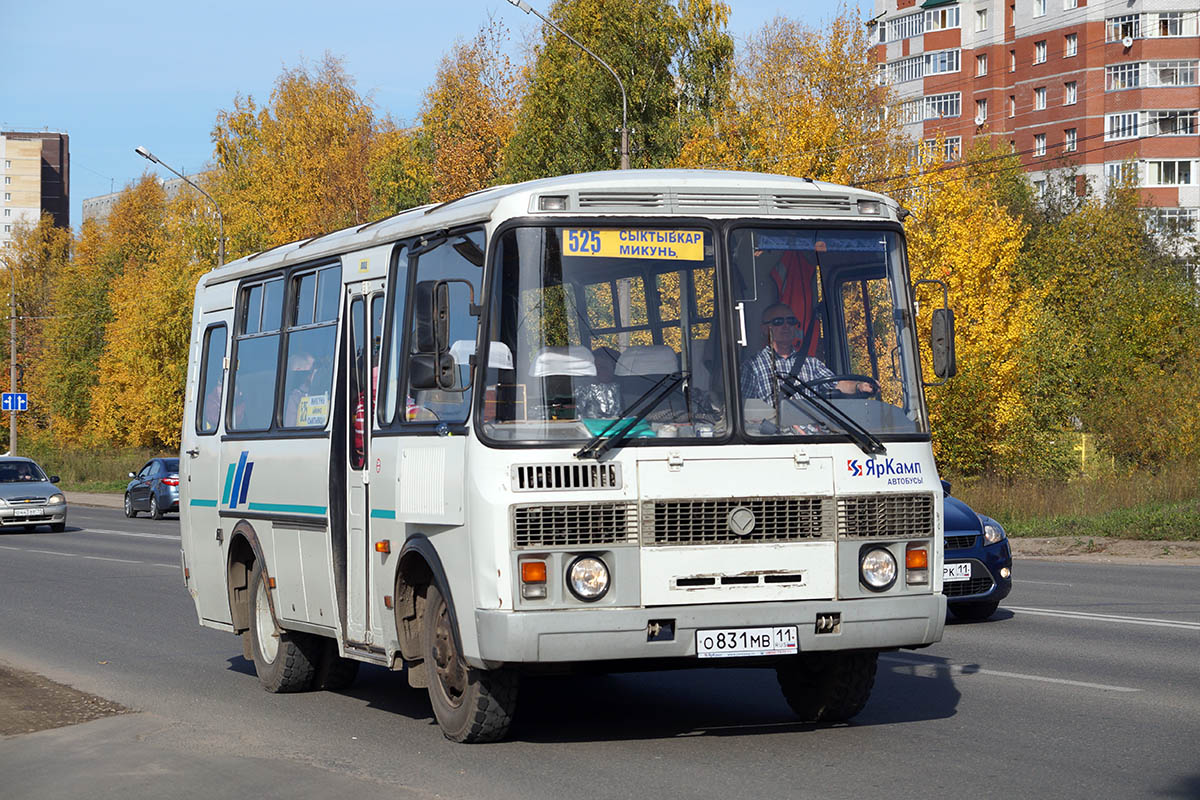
[[208, 394], [397, 287], [307, 389], [256, 357]]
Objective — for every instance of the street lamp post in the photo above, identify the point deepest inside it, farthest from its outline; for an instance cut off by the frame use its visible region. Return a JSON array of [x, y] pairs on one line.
[[528, 9], [12, 354], [146, 154]]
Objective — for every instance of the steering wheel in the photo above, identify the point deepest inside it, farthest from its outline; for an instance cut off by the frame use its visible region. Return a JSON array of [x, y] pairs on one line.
[[850, 376]]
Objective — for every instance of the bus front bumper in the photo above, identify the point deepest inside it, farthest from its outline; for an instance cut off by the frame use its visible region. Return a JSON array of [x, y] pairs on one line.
[[602, 634]]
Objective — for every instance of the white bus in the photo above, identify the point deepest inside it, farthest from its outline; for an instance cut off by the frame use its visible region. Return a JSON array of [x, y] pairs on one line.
[[641, 419]]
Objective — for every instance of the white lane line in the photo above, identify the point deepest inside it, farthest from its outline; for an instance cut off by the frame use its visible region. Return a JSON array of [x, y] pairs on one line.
[[958, 669], [80, 555], [119, 560], [129, 533], [1084, 615], [1042, 583], [45, 552]]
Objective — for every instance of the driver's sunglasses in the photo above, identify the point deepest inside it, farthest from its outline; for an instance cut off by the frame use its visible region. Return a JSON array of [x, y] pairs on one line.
[[775, 322]]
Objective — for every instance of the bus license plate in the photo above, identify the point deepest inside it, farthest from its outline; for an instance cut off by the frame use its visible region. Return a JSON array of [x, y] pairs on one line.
[[725, 642], [956, 572]]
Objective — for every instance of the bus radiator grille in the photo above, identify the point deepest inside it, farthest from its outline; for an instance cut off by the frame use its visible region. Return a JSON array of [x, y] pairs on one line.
[[574, 525], [709, 521], [894, 516]]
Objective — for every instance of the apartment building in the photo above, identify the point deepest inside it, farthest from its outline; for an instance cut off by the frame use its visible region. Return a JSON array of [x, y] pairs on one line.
[[34, 178], [99, 208], [1103, 85]]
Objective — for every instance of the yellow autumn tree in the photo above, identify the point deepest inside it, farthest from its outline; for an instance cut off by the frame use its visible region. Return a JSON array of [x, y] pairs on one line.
[[803, 102]]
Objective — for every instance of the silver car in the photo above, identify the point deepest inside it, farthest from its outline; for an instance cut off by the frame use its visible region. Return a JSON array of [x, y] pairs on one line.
[[28, 498]]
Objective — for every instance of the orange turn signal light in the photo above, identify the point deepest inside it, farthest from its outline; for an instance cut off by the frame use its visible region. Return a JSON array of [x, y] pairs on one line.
[[533, 572], [383, 546], [916, 558]]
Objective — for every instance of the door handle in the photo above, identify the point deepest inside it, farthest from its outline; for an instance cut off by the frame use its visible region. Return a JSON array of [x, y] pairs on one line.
[[195, 451]]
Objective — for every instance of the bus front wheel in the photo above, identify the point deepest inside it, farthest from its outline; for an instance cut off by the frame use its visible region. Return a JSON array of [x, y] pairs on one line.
[[828, 687], [471, 705], [285, 662]]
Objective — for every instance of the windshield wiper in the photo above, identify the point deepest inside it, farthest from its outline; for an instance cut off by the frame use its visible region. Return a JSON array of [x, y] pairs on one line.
[[598, 445], [866, 441]]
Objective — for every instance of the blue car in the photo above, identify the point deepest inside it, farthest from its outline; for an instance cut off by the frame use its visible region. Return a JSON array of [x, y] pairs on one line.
[[977, 570], [154, 489]]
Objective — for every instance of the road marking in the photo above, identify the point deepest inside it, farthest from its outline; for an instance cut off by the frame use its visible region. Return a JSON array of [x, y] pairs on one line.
[[129, 533], [93, 558], [959, 669], [120, 560], [1043, 583], [46, 552], [1084, 615]]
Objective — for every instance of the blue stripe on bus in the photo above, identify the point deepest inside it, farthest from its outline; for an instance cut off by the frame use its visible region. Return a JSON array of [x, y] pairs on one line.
[[246, 482], [228, 484], [237, 479], [286, 508], [203, 503], [382, 513]]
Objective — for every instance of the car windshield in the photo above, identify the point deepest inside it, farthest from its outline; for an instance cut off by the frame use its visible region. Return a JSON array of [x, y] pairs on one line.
[[20, 471], [586, 321]]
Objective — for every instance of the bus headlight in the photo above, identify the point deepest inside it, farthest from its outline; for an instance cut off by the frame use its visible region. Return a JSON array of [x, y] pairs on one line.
[[878, 569], [587, 577]]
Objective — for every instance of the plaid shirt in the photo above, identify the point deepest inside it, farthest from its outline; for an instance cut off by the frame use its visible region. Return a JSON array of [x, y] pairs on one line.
[[758, 374]]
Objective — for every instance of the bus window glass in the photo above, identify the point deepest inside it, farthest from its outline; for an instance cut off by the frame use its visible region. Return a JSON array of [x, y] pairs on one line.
[[252, 310], [307, 384], [257, 357], [272, 313], [328, 294], [588, 323], [868, 311], [376, 343], [449, 260], [358, 368], [398, 288], [212, 372], [306, 295]]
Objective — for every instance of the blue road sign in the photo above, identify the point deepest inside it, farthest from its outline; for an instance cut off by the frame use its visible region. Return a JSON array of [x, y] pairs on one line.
[[14, 401]]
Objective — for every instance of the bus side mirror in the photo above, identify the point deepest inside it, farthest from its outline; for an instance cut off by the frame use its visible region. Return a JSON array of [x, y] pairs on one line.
[[432, 308], [942, 344], [432, 371]]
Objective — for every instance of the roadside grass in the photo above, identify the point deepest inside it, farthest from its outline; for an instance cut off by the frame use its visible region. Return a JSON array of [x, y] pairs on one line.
[[99, 470], [1163, 505]]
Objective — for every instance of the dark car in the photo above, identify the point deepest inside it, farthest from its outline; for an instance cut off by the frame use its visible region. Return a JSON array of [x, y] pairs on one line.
[[155, 489], [977, 569]]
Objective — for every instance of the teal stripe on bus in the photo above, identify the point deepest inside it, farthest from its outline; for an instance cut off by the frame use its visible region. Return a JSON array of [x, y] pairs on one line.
[[382, 513], [203, 503], [228, 484], [287, 508]]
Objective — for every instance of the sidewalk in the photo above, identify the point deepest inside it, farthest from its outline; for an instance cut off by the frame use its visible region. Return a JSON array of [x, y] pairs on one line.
[[100, 500]]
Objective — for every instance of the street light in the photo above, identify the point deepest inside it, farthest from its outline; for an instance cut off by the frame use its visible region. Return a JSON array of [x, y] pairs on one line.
[[12, 354], [528, 9], [146, 154]]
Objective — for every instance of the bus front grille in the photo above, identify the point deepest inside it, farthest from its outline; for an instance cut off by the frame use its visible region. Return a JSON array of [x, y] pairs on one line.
[[894, 516], [750, 520], [574, 525]]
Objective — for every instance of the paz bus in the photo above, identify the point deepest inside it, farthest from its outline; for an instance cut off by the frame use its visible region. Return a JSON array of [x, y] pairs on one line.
[[622, 420]]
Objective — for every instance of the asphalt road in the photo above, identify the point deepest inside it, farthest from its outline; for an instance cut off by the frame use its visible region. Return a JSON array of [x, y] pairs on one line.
[[1086, 685]]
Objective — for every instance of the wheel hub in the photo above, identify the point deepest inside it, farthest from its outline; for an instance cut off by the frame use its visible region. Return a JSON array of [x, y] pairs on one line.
[[264, 623], [451, 673]]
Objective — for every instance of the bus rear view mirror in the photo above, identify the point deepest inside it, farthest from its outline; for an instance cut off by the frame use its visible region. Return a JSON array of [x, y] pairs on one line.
[[432, 307], [942, 344], [432, 371]]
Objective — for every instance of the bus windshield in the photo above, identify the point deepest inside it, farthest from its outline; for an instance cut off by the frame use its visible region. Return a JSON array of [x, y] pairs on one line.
[[590, 323]]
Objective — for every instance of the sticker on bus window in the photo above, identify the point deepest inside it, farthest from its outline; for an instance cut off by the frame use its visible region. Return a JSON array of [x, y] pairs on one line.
[[634, 243], [313, 410]]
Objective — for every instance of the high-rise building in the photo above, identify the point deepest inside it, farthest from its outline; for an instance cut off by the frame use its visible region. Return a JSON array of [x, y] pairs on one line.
[[35, 173], [1104, 86], [99, 208]]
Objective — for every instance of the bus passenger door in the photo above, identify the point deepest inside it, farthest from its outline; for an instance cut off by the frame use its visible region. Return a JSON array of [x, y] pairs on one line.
[[201, 531], [365, 321]]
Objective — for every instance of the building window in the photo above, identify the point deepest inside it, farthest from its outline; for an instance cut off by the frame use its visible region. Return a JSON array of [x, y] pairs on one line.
[[1122, 76], [1175, 220], [906, 69], [1172, 23], [1172, 73], [1070, 45], [942, 106], [944, 61], [1039, 52], [1070, 93], [902, 28], [981, 20], [1121, 126], [8, 212], [7, 163], [951, 147], [1039, 8], [938, 19], [1012, 60], [1012, 105], [1169, 173], [1070, 140], [1040, 188], [980, 111], [1121, 172], [1039, 144], [1069, 4], [1039, 99], [7, 196], [7, 180], [981, 64], [8, 228], [912, 111], [1171, 123], [1118, 28]]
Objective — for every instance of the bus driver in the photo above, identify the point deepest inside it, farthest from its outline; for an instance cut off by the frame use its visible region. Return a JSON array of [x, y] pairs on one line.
[[782, 331]]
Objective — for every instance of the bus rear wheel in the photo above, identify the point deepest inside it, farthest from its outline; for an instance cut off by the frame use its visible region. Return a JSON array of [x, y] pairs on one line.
[[828, 687], [471, 705], [284, 661]]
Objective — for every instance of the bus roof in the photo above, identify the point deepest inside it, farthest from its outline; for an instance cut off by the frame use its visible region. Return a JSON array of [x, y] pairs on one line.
[[709, 193]]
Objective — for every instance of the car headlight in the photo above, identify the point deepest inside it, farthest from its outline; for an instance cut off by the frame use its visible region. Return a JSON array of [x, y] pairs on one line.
[[56, 500], [878, 569], [587, 577], [992, 532]]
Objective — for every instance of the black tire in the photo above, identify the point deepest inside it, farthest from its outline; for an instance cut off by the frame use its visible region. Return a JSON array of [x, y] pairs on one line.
[[828, 687], [155, 511], [288, 663], [129, 509], [335, 673], [471, 705], [975, 611], [58, 527]]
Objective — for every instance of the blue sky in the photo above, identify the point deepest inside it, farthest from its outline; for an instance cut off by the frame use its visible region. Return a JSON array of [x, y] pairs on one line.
[[115, 75]]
